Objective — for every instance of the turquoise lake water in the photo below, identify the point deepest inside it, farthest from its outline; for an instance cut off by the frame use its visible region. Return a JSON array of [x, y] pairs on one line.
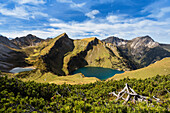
[[20, 69], [98, 72]]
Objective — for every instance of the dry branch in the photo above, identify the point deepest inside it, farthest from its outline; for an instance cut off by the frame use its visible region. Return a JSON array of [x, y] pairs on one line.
[[132, 95]]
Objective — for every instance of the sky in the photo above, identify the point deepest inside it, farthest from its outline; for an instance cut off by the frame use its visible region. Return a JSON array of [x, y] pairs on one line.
[[125, 19]]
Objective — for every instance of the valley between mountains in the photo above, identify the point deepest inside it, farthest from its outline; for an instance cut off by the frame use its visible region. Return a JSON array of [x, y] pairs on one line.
[[55, 59]]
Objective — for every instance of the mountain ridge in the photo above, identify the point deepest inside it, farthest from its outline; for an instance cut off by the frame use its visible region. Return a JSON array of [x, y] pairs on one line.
[[70, 54], [142, 51], [29, 40]]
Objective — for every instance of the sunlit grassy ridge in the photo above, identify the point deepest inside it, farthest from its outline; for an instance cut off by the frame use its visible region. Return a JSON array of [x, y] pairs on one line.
[[105, 56], [161, 67], [50, 44]]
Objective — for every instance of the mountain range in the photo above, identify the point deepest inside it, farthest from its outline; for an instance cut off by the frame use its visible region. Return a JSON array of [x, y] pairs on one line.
[[142, 51], [62, 55]]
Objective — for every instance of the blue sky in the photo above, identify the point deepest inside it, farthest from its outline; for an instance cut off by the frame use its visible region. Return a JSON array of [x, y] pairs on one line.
[[86, 18]]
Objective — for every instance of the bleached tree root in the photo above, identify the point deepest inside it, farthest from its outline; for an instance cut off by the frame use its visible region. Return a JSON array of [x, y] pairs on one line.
[[132, 95]]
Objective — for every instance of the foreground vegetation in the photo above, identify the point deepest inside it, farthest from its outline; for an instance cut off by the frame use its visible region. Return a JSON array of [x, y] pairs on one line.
[[19, 96]]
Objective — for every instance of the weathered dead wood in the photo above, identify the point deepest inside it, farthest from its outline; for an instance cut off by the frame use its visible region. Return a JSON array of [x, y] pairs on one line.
[[132, 95], [113, 93], [157, 99], [167, 90]]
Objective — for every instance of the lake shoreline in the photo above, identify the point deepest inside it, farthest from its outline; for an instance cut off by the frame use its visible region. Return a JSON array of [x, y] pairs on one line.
[[21, 69], [98, 72]]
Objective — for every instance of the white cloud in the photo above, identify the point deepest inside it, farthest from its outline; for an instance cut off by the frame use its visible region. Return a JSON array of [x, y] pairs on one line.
[[158, 10], [113, 19], [92, 14], [54, 20], [22, 12], [127, 28], [30, 1], [72, 4], [14, 34], [65, 1], [39, 14], [161, 13], [102, 28], [18, 12]]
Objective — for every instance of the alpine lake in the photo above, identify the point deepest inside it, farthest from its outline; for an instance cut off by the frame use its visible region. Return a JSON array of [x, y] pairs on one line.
[[98, 72]]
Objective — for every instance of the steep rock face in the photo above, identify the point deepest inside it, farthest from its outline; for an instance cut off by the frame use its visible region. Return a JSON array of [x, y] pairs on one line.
[[141, 42], [10, 56], [29, 40], [142, 51], [54, 59], [63, 55], [139, 45], [7, 42], [77, 57]]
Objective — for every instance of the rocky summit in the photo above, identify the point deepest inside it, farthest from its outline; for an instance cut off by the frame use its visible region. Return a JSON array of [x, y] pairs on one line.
[[29, 40], [142, 51]]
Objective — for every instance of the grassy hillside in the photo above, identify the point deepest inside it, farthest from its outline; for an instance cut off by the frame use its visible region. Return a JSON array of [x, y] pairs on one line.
[[49, 77], [161, 67]]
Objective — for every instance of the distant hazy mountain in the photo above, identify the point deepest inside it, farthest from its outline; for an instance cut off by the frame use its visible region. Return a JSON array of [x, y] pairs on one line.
[[29, 40], [142, 51]]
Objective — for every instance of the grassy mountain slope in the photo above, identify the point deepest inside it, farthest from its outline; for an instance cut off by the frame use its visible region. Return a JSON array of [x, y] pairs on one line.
[[49, 77], [161, 67], [63, 55]]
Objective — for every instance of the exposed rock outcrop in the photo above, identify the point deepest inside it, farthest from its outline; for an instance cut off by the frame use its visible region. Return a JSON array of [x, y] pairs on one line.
[[29, 40], [10, 55], [142, 51], [7, 42], [115, 40]]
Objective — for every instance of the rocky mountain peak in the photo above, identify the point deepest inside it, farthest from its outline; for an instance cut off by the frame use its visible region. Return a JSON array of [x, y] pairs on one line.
[[115, 40], [29, 40], [145, 41], [30, 35], [63, 36]]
